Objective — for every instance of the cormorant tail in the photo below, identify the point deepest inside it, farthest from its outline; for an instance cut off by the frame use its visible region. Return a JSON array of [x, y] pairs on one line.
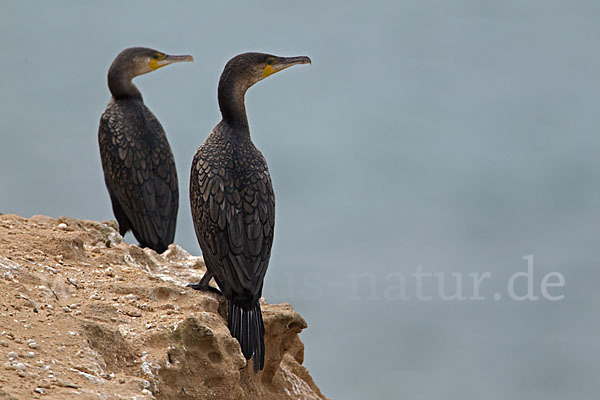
[[247, 327]]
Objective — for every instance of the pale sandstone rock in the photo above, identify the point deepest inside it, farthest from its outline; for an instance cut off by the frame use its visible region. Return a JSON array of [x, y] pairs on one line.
[[141, 336]]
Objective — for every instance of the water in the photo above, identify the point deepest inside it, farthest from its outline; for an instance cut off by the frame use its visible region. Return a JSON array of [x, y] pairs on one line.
[[456, 136]]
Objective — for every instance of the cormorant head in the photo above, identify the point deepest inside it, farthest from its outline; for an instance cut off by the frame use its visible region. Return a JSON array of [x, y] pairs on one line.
[[137, 61], [133, 62], [246, 69]]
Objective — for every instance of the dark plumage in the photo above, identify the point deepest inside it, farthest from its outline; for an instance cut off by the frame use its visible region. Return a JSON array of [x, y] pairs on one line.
[[138, 164], [233, 205]]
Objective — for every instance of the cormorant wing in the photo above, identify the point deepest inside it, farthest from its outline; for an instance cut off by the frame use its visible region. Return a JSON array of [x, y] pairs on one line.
[[234, 221], [140, 173]]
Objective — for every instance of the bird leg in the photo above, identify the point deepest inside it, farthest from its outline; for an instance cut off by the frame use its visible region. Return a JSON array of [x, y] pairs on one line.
[[203, 284]]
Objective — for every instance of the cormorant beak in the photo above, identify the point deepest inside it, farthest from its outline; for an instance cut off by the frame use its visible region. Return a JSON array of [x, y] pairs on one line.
[[284, 62], [167, 59]]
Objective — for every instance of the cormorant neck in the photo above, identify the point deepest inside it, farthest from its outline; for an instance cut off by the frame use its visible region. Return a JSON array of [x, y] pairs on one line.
[[120, 84], [231, 101]]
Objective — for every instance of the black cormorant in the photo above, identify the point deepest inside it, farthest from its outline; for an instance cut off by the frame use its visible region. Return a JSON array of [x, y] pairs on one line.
[[138, 164], [233, 205]]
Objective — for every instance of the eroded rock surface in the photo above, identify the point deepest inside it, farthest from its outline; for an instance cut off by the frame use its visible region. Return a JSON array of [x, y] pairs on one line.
[[84, 315]]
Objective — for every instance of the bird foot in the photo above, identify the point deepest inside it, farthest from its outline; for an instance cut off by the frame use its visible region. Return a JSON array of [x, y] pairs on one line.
[[204, 288]]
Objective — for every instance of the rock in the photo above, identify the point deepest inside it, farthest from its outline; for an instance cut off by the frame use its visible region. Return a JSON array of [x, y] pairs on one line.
[[133, 313], [129, 328], [65, 384], [114, 239], [44, 384]]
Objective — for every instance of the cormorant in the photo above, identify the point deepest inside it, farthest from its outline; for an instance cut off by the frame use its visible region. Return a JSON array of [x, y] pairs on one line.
[[138, 164], [233, 205]]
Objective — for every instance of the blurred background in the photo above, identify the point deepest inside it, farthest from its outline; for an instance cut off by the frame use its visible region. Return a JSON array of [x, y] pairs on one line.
[[455, 137]]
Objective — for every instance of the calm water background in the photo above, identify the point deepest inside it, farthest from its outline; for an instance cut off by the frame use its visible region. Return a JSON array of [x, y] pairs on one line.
[[458, 136]]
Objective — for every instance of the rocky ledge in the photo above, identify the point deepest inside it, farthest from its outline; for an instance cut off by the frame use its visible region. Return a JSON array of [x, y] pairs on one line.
[[85, 315]]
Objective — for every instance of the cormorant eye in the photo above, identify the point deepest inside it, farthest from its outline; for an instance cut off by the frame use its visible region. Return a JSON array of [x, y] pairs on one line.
[[155, 56], [269, 61]]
